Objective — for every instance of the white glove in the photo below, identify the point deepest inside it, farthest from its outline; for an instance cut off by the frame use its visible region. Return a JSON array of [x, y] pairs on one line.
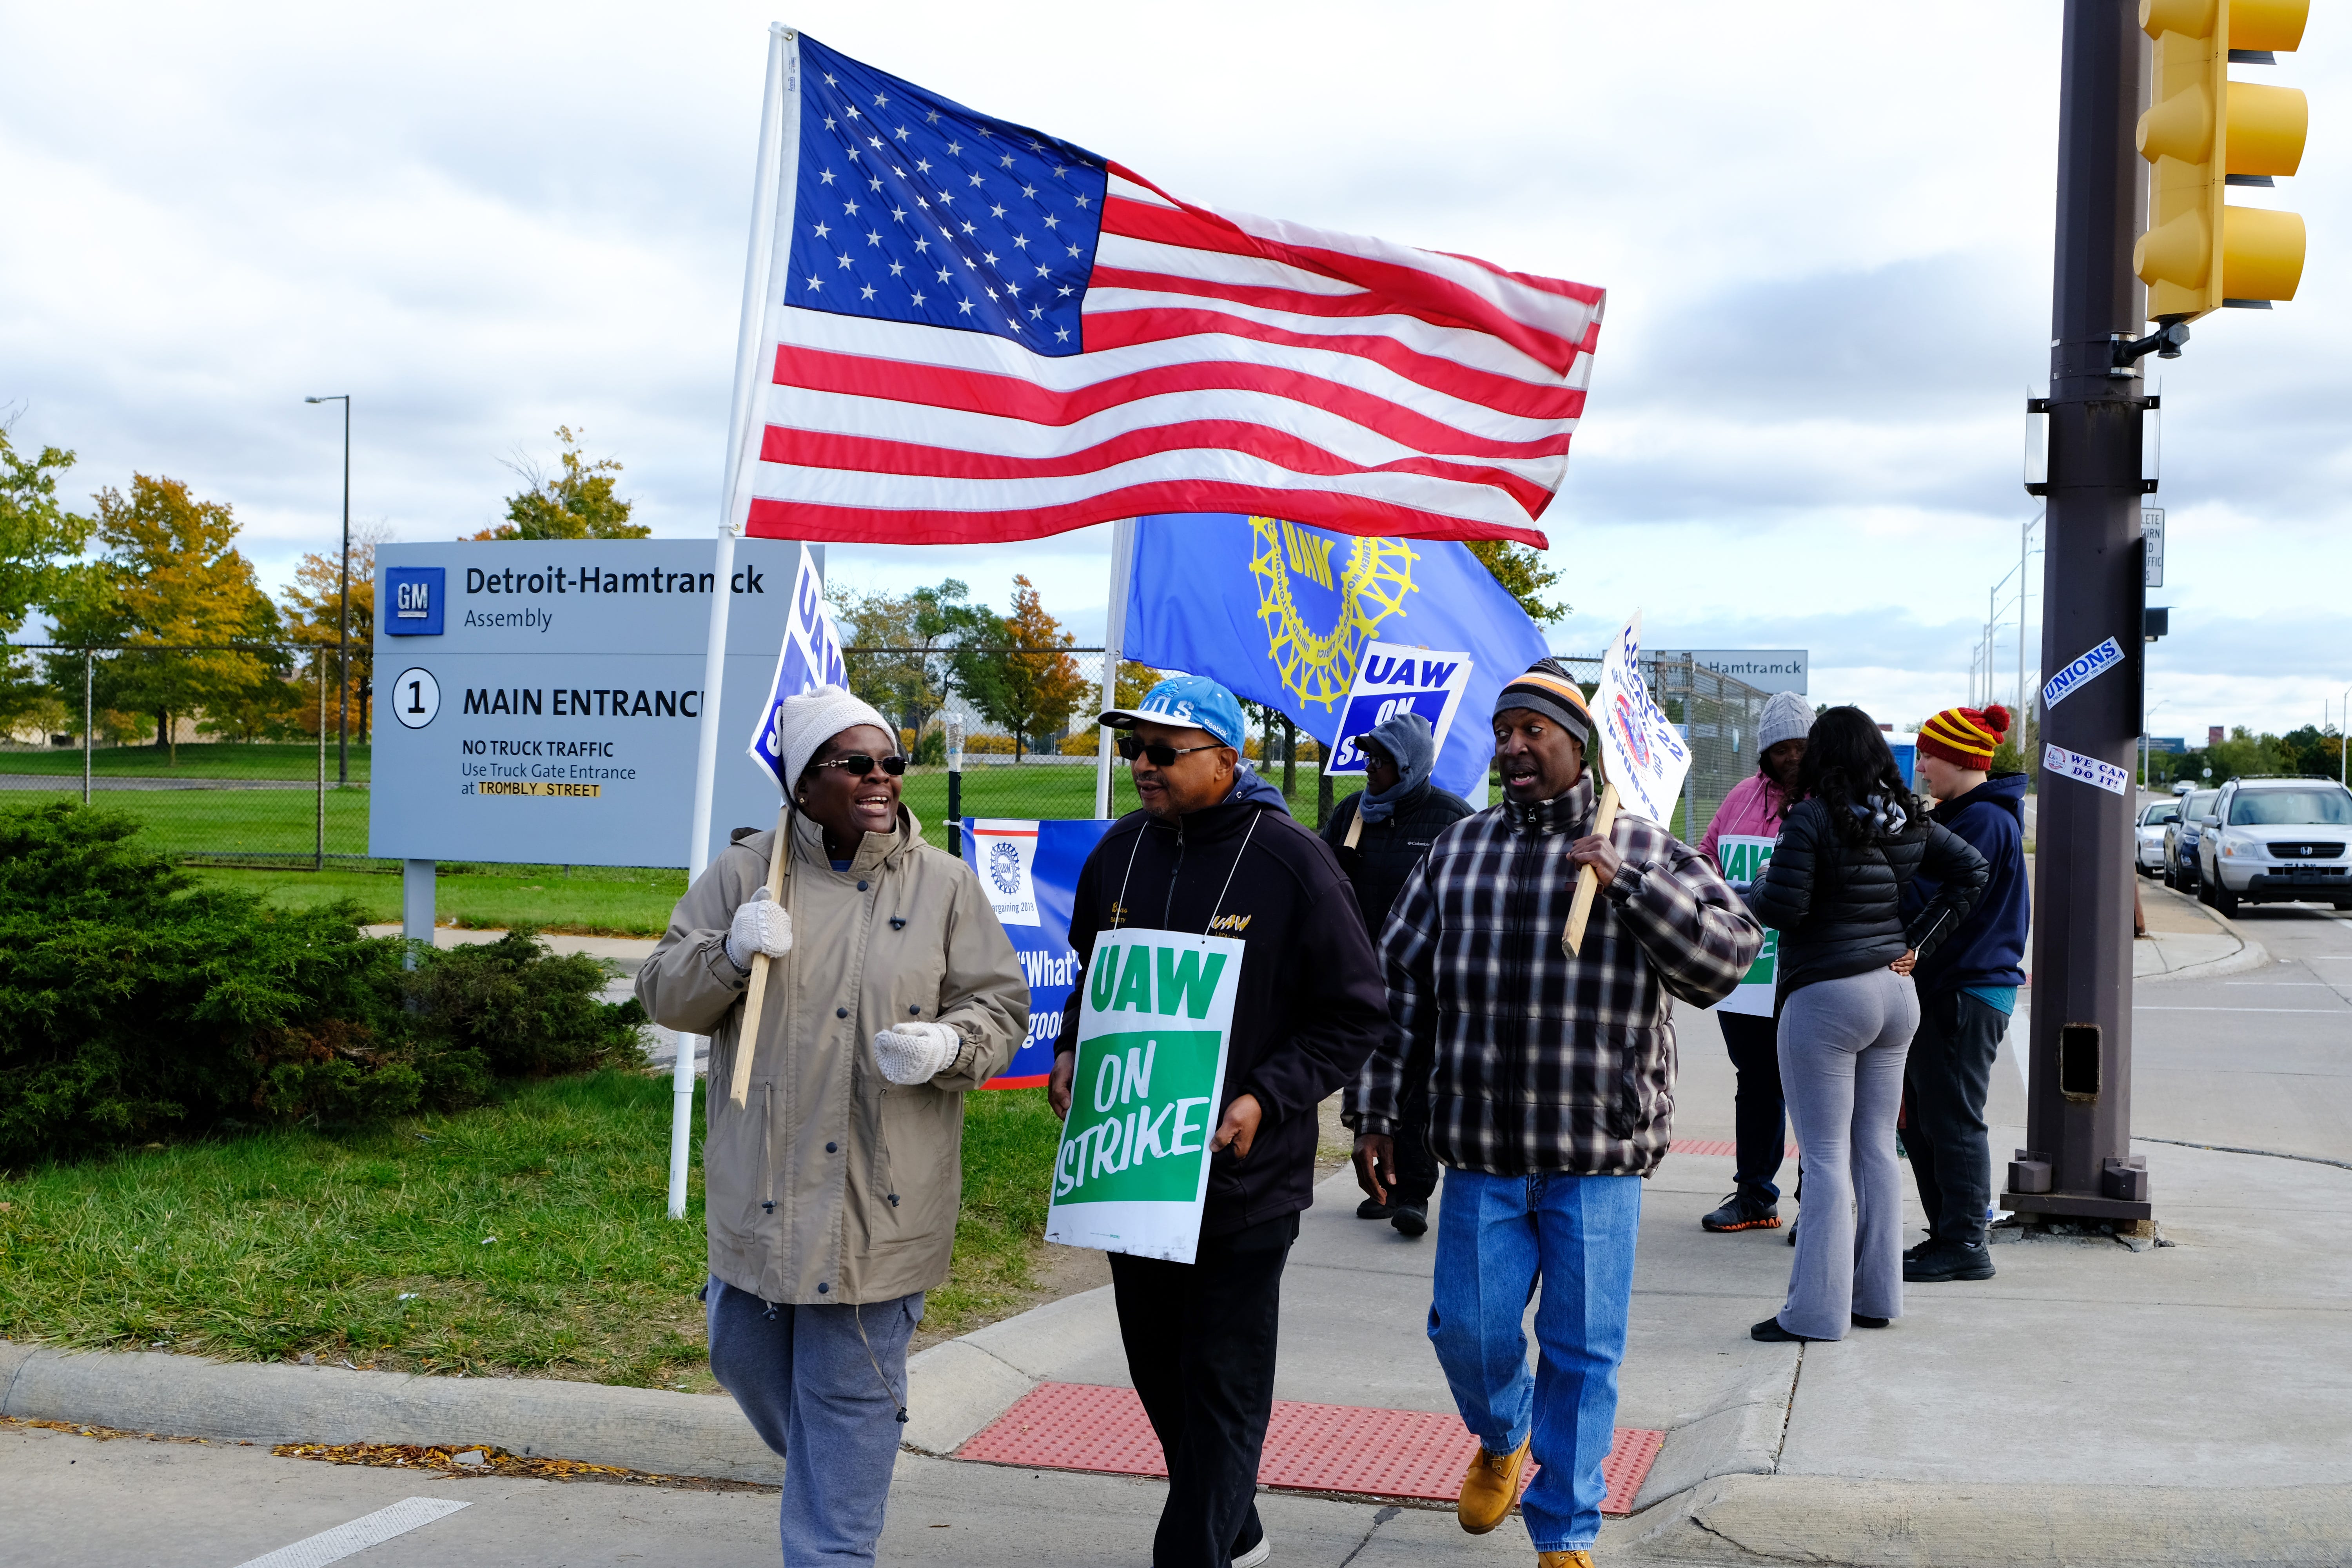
[[761, 925], [916, 1053]]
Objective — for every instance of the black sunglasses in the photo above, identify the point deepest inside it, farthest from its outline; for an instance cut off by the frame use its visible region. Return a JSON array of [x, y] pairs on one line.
[[859, 764], [1162, 756]]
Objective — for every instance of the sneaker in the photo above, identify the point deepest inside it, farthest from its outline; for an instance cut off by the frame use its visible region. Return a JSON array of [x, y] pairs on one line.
[[1372, 1208], [1411, 1220], [1792, 1230], [1256, 1556], [1939, 1261], [1739, 1211], [1490, 1487], [1564, 1560]]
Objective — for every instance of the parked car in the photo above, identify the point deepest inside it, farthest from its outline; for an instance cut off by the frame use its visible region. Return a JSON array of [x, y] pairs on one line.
[[2180, 839], [2181, 786], [2148, 849], [2276, 840]]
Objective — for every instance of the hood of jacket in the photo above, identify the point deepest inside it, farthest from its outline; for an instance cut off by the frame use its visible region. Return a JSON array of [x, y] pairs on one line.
[[2006, 791], [1251, 788]]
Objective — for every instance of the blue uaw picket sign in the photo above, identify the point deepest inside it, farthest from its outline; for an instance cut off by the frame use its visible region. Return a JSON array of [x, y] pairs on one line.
[[1392, 678]]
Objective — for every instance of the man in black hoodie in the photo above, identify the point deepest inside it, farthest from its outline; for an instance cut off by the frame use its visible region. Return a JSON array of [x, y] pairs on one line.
[[1214, 850], [1381, 835]]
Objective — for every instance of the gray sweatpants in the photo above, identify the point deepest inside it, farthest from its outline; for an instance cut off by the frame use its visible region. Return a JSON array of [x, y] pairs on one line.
[[825, 1399], [1841, 1047]]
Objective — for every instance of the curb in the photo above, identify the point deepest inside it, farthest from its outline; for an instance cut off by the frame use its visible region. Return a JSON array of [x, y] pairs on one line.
[[2250, 955], [186, 1396], [1898, 1524]]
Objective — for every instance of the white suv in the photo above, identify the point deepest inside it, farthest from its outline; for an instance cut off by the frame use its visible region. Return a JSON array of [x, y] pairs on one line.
[[2270, 840]]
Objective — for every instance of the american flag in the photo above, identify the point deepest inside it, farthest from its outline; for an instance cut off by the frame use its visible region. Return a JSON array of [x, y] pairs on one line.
[[982, 332]]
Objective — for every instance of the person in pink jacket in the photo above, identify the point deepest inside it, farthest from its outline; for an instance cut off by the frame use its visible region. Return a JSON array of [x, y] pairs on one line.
[[1753, 809]]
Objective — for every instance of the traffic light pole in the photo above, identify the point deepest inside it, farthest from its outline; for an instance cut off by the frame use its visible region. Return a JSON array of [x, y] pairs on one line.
[[2078, 1164]]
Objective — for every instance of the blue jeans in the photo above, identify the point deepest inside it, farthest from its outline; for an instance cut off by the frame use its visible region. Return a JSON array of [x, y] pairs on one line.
[[826, 1397], [1496, 1238]]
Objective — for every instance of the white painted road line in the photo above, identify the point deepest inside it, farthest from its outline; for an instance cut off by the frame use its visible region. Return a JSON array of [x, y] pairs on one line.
[[2330, 1012], [347, 1539]]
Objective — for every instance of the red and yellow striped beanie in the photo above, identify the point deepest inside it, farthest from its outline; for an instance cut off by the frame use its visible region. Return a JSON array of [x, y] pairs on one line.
[[1964, 737]]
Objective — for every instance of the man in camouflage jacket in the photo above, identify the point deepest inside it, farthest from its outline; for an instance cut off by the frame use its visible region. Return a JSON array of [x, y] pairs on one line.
[[1552, 1084]]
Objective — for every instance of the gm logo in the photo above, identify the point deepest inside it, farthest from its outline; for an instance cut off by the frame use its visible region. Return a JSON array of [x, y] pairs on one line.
[[414, 600]]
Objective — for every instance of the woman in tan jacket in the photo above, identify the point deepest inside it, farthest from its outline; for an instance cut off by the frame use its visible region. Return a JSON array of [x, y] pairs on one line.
[[830, 1194]]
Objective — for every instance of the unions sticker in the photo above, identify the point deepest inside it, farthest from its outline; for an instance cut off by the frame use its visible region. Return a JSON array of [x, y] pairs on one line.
[[2080, 673]]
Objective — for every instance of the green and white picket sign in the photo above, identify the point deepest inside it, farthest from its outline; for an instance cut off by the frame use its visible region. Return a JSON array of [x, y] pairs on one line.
[[1744, 858], [1133, 1170]]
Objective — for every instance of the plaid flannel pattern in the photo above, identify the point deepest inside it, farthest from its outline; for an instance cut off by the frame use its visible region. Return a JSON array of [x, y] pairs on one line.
[[1536, 1062]]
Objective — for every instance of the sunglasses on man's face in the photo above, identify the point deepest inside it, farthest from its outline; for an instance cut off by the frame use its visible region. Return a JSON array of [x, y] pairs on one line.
[[859, 764], [1162, 756]]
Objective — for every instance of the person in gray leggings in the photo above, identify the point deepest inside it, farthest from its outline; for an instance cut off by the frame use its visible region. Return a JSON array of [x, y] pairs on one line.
[[1834, 889]]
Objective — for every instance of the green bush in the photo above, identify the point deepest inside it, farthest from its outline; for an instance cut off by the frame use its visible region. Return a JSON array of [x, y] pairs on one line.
[[136, 1002]]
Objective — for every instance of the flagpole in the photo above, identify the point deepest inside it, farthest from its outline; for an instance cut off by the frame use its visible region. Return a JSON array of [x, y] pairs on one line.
[[1122, 572], [781, 83]]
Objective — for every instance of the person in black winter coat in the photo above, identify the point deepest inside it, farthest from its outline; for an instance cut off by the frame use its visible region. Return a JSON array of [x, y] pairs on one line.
[[1380, 836], [1214, 850], [1834, 889]]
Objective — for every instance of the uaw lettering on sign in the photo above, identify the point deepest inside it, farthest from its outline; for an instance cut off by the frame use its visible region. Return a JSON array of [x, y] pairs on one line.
[[1393, 679], [2075, 676], [2086, 770], [1133, 1168]]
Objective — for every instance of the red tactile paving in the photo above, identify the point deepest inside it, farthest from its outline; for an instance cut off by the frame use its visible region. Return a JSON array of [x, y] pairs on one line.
[[1308, 1447], [1710, 1146]]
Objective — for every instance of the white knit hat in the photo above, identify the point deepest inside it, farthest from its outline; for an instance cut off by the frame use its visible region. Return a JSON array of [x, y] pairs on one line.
[[1786, 717], [807, 721]]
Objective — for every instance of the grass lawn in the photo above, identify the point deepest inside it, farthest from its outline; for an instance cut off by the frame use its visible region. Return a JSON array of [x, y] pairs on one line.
[[594, 900], [528, 1236], [198, 760], [228, 821]]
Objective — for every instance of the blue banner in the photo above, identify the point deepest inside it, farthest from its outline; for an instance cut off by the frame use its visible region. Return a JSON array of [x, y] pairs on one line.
[[810, 657], [1030, 872], [1282, 615]]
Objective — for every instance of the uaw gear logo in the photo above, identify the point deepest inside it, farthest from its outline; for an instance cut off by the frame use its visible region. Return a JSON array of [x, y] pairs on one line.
[[1004, 868], [1319, 612]]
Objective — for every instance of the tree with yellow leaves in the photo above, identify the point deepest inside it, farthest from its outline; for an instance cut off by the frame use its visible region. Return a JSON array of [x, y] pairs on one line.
[[579, 502]]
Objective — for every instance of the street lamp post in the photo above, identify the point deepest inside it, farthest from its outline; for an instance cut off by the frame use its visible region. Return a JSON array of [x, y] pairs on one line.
[[343, 615]]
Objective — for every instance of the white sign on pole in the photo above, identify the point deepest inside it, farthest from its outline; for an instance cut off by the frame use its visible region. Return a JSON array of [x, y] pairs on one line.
[[1393, 679], [2072, 678], [1642, 753], [2151, 527], [1132, 1175], [2086, 770]]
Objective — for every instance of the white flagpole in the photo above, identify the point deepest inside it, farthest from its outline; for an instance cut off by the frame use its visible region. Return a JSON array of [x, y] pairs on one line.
[[1122, 570], [778, 122]]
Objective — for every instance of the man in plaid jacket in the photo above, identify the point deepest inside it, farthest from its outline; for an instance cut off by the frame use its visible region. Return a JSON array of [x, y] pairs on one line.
[[1551, 1085]]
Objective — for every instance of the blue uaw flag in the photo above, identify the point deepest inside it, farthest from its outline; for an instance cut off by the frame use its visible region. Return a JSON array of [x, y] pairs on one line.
[[1281, 614], [810, 657]]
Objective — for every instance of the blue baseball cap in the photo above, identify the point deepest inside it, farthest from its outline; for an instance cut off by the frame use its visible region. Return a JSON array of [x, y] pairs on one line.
[[1185, 702]]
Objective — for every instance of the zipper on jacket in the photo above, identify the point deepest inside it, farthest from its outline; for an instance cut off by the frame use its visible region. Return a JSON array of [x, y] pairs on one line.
[[1168, 907]]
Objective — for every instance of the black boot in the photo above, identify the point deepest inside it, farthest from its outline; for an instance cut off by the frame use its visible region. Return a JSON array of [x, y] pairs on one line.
[[1372, 1208], [1410, 1220]]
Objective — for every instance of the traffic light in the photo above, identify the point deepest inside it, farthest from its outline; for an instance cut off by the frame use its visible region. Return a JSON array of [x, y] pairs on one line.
[[2205, 133]]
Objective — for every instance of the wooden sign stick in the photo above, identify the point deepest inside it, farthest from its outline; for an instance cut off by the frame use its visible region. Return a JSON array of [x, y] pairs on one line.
[[1587, 881], [778, 856]]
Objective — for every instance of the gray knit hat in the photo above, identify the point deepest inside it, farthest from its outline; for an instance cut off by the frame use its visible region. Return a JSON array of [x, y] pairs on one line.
[[1786, 718]]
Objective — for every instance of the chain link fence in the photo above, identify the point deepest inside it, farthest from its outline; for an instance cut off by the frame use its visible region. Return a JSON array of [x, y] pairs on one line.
[[226, 754], [230, 756]]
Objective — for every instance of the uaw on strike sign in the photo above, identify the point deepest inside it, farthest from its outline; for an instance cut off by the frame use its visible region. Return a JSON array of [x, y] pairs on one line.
[[1642, 753], [1132, 1175]]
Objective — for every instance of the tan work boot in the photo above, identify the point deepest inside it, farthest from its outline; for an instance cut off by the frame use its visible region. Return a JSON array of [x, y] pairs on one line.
[[1564, 1560], [1491, 1486]]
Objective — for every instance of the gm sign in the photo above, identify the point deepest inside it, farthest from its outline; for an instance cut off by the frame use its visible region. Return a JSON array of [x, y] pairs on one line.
[[412, 600]]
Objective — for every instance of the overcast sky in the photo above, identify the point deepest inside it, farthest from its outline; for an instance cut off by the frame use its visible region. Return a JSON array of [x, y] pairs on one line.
[[1826, 248]]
